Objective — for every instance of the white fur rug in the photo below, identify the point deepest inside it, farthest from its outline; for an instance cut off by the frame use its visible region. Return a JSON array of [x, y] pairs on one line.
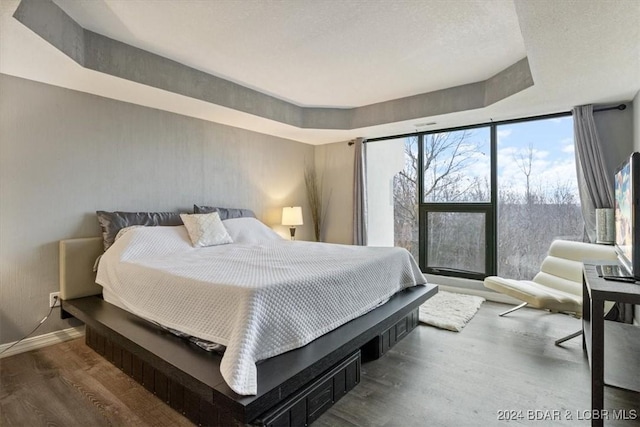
[[449, 311]]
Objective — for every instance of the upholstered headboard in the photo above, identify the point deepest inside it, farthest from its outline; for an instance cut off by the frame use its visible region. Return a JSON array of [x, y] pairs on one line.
[[77, 257]]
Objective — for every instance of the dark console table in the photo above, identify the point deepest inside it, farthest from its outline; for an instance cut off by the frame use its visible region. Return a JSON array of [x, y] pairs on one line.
[[613, 348]]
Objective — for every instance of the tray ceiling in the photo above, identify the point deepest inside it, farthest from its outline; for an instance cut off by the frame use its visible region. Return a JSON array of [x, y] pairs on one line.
[[347, 55]]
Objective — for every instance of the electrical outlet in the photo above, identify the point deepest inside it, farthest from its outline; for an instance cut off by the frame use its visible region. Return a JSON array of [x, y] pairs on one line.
[[53, 302]]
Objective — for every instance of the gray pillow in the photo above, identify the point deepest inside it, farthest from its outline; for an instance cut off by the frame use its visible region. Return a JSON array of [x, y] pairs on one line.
[[112, 222], [225, 213]]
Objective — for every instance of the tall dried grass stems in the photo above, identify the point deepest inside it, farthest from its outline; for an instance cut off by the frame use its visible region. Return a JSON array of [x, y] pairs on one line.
[[314, 193]]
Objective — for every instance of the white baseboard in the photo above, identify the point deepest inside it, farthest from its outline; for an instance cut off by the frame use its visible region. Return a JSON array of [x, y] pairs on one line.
[[44, 340]]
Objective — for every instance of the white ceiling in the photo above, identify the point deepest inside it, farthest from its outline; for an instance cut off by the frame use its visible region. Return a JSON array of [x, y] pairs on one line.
[[352, 53]]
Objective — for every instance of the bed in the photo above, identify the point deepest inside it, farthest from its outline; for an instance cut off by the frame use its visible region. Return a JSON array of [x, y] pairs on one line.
[[290, 383]]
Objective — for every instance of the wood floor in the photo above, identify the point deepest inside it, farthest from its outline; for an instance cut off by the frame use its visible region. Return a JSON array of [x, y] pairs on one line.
[[432, 377]]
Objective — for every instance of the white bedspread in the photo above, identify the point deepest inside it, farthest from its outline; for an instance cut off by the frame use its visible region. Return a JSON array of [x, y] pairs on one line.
[[259, 300]]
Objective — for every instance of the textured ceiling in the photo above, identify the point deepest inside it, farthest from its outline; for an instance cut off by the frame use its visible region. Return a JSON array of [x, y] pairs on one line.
[[352, 53], [320, 53]]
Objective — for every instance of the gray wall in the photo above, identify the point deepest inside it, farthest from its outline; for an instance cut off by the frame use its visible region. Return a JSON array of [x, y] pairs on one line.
[[615, 129], [616, 132], [65, 154], [334, 162]]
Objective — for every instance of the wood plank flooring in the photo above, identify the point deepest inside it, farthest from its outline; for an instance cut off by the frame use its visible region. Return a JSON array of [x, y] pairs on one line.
[[432, 377]]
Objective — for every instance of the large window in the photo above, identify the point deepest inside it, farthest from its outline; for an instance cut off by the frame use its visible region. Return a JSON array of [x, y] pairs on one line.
[[455, 210], [405, 199], [487, 199], [538, 197]]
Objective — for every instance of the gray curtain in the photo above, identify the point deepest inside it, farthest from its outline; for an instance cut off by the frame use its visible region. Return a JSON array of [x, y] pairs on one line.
[[360, 193], [594, 183]]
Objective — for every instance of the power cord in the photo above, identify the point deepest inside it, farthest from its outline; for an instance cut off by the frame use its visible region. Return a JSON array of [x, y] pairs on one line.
[[55, 300]]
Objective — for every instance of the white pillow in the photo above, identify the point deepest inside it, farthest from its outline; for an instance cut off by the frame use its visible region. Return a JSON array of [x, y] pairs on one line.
[[249, 230], [206, 229]]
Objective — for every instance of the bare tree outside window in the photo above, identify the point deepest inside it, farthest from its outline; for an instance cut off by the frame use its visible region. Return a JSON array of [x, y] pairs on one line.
[[537, 194], [531, 216], [405, 197], [447, 159]]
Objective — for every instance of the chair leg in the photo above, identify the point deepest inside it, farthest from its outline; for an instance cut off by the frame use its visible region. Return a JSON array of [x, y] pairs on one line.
[[513, 309], [568, 337], [611, 315]]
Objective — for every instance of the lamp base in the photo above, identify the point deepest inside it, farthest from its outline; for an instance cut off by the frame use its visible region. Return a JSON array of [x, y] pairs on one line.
[[292, 230], [605, 226]]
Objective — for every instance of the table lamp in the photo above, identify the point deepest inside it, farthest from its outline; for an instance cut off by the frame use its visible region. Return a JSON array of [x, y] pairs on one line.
[[292, 216], [605, 226]]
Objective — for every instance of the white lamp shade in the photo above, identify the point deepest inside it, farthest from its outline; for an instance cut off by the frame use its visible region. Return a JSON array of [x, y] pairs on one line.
[[292, 215]]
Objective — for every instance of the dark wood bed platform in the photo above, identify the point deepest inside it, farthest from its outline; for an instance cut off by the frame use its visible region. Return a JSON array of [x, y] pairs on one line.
[[294, 388]]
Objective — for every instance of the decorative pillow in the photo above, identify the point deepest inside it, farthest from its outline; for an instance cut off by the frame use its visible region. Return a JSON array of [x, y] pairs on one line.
[[225, 213], [112, 222], [206, 229], [249, 230]]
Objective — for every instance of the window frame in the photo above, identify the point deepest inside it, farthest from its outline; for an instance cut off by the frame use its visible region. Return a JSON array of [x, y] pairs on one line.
[[489, 208], [485, 208]]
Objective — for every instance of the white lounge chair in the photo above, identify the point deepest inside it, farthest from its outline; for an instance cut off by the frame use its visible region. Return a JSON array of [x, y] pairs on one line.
[[558, 285]]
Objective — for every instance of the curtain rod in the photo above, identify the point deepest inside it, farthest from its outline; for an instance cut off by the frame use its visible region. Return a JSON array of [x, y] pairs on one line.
[[382, 138], [619, 107]]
